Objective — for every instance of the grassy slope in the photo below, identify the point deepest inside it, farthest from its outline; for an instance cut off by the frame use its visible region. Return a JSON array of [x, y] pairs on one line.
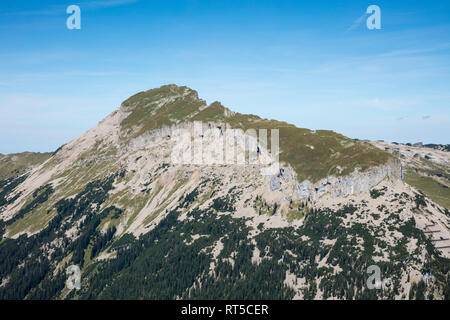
[[430, 187], [146, 115]]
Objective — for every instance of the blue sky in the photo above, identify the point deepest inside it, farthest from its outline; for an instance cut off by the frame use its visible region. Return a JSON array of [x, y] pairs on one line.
[[311, 63]]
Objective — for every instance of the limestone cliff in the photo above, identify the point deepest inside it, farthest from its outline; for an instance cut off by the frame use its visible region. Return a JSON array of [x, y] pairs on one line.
[[354, 183]]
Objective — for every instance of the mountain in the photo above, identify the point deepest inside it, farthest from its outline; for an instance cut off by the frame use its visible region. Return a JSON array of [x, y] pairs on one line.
[[141, 223]]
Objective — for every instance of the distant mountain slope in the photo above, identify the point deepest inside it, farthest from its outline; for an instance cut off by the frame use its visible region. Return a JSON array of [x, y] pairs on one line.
[[18, 163], [427, 169]]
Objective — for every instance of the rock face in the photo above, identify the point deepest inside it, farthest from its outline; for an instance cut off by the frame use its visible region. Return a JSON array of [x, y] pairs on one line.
[[275, 183], [198, 130], [213, 142], [357, 182], [354, 183]]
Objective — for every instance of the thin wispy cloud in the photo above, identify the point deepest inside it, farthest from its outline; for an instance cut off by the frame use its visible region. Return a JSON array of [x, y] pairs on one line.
[[406, 52], [47, 12], [387, 104], [383, 104], [65, 74], [357, 23], [88, 5], [106, 3]]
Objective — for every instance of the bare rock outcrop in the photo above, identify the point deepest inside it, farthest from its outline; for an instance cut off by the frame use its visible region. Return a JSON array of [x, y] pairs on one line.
[[357, 182]]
